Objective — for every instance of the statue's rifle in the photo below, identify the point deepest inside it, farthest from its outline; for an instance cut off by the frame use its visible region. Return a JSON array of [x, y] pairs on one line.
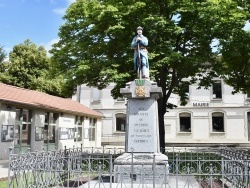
[[139, 59]]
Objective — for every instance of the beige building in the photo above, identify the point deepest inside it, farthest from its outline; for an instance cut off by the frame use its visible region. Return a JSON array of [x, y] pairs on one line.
[[212, 116], [31, 120]]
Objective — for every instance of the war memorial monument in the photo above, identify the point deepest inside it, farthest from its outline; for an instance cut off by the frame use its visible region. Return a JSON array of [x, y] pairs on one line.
[[142, 160]]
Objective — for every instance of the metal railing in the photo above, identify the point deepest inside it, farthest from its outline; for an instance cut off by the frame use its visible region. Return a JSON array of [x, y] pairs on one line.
[[94, 167]]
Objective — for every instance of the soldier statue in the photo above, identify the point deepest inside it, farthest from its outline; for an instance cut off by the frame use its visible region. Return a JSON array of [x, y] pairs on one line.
[[141, 63]]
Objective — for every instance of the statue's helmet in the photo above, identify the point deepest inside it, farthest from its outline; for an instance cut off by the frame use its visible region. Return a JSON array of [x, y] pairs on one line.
[[139, 28]]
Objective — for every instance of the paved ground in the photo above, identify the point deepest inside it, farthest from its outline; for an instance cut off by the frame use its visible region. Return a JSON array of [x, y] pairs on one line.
[[4, 169], [182, 183]]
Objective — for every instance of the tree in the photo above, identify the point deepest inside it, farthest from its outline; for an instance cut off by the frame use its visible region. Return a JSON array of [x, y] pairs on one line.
[[235, 61], [3, 64], [94, 46], [31, 68], [2, 54]]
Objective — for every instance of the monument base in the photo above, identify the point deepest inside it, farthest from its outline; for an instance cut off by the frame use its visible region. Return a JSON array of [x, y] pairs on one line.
[[141, 168]]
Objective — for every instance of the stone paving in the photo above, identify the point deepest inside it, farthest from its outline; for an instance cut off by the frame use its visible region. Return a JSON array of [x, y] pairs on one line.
[[4, 169]]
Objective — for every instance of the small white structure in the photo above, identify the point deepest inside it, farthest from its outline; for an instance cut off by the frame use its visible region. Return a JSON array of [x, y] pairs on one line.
[[212, 116], [31, 120]]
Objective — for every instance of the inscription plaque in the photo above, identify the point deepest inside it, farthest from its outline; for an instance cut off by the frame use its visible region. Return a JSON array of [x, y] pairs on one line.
[[142, 120]]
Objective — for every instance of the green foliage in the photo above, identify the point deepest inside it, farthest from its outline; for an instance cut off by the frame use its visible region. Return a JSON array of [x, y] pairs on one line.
[[2, 60], [30, 68], [235, 61], [94, 46], [28, 63], [2, 55]]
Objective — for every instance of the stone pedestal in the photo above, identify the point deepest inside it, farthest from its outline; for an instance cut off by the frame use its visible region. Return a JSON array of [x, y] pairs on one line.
[[142, 160]]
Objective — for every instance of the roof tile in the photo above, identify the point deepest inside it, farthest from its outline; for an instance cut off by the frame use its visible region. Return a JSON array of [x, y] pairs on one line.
[[42, 100]]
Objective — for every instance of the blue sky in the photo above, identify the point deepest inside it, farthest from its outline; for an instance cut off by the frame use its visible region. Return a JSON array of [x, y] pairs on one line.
[[37, 20]]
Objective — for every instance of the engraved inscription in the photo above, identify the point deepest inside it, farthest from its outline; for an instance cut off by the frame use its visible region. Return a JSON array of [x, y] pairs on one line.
[[141, 126]]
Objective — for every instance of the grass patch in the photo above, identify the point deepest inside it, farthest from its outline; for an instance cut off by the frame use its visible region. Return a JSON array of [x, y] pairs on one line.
[[4, 184]]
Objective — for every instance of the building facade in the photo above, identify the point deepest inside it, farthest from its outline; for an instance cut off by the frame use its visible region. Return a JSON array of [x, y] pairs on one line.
[[211, 116], [31, 120]]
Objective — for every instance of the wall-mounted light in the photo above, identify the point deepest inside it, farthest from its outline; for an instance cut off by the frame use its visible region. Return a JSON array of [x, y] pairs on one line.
[[62, 114], [8, 107]]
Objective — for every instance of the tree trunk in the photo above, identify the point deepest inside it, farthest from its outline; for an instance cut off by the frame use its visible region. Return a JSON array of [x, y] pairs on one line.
[[161, 112]]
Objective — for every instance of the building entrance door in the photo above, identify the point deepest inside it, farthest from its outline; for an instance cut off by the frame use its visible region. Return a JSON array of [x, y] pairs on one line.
[[50, 131], [22, 130]]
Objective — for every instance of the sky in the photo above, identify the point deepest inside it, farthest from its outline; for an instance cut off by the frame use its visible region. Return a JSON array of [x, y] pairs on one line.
[[37, 20]]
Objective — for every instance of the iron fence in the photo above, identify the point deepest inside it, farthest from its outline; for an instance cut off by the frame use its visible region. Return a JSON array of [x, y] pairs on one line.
[[94, 167]]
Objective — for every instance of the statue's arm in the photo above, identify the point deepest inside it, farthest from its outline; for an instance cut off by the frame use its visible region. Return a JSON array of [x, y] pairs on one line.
[[134, 43], [144, 41]]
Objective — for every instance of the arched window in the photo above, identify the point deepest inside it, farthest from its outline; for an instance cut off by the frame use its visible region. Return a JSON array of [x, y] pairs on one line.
[[218, 122], [185, 122], [120, 122]]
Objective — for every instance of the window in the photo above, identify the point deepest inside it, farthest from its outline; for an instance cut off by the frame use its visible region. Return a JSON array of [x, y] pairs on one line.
[[50, 127], [217, 92], [92, 129], [96, 95], [217, 122], [185, 122], [121, 122], [71, 133], [26, 128], [23, 126], [7, 134], [78, 124], [17, 126], [63, 133], [79, 134], [39, 133]]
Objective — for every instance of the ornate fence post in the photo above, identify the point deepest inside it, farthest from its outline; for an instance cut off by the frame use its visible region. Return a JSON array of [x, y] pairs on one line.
[[110, 169], [177, 169], [166, 174], [10, 153], [47, 168], [68, 170], [132, 168], [222, 171], [154, 171], [246, 163], [89, 169]]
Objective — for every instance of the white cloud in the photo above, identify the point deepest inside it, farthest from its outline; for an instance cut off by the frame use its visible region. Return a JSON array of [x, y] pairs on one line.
[[71, 1], [60, 11], [48, 46]]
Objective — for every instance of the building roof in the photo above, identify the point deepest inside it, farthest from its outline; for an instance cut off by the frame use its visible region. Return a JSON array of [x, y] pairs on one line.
[[35, 99]]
